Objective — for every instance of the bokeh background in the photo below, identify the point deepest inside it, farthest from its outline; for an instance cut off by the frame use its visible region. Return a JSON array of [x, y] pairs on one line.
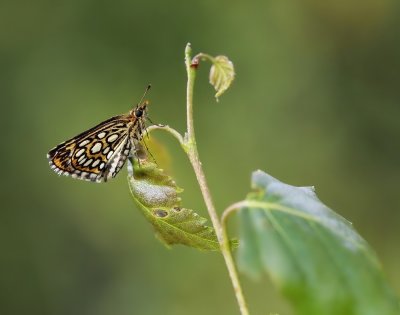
[[315, 102]]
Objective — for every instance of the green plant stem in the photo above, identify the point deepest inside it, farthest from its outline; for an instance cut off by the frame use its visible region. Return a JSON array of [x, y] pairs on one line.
[[172, 131], [231, 209], [204, 56], [193, 155]]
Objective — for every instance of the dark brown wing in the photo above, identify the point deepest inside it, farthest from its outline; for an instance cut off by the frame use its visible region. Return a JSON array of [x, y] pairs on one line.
[[96, 154]]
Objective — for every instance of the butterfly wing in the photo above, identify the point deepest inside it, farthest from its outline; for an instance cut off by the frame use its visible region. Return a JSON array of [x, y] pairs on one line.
[[96, 154]]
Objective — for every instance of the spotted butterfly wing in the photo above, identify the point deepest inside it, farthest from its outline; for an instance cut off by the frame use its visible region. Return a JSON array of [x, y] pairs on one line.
[[99, 153]]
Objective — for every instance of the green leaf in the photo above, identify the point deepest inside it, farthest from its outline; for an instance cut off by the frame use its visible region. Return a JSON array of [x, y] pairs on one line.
[[157, 196], [222, 74], [313, 255]]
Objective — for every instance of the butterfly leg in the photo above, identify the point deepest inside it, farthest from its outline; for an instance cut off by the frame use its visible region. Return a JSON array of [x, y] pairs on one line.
[[158, 125], [148, 151], [136, 152]]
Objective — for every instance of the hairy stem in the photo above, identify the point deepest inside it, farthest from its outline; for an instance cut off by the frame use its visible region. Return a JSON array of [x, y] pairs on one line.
[[172, 131], [190, 141]]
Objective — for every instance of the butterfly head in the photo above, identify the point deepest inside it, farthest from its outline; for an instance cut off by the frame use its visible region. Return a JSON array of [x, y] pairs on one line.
[[140, 110]]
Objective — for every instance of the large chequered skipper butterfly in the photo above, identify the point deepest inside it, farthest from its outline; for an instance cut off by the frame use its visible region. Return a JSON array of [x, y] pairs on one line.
[[100, 152]]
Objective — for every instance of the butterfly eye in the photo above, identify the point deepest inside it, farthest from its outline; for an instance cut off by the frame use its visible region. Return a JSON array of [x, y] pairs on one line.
[[138, 112]]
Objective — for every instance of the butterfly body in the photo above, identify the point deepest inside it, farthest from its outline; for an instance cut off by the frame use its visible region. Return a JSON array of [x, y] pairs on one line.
[[99, 153]]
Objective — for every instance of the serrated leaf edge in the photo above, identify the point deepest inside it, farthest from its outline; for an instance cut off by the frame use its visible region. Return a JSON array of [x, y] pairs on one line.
[[186, 233]]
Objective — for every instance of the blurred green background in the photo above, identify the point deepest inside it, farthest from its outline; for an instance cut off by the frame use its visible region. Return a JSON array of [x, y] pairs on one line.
[[315, 102]]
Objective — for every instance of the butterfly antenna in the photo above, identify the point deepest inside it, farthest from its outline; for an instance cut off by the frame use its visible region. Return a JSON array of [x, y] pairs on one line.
[[144, 94], [148, 151]]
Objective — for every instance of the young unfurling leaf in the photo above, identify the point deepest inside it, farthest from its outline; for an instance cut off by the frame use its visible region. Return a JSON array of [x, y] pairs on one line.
[[222, 74]]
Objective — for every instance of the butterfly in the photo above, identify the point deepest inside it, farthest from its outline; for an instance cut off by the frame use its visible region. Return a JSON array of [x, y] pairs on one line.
[[99, 153]]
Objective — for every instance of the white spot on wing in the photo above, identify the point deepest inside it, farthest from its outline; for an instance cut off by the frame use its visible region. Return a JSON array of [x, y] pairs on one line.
[[95, 163], [84, 142], [101, 135], [88, 162], [101, 165], [96, 148], [112, 138], [81, 158], [105, 151], [79, 153], [109, 154]]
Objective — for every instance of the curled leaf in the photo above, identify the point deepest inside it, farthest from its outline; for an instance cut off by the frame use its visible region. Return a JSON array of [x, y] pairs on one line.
[[222, 74], [183, 226], [157, 196]]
